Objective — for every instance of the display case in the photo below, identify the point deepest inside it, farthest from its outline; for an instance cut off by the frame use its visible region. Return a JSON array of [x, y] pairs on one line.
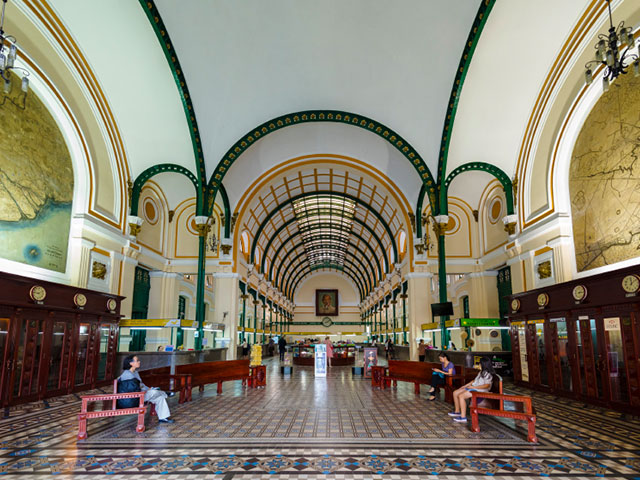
[[302, 354], [343, 355]]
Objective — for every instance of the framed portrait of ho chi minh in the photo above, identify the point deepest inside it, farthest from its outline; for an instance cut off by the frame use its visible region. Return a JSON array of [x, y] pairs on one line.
[[326, 303]]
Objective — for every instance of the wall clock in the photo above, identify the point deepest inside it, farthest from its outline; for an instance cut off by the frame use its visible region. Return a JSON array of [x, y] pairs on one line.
[[515, 305], [579, 293], [112, 304], [543, 300], [80, 300], [631, 283], [37, 293], [327, 322]]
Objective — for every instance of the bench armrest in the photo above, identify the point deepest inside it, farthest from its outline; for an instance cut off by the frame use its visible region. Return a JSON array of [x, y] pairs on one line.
[[86, 399], [525, 400]]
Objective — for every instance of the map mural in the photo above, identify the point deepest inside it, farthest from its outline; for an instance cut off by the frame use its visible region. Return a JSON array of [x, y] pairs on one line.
[[604, 181], [36, 183]]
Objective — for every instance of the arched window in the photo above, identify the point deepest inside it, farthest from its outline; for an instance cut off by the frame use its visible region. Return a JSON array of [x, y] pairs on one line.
[[402, 244]]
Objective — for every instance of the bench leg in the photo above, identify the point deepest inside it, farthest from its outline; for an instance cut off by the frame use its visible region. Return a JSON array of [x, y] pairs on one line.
[[140, 426], [416, 388], [219, 388], [475, 424], [82, 427], [531, 424], [395, 384]]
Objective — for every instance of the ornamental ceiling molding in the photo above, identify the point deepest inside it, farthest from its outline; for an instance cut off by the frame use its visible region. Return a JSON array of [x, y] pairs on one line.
[[155, 20], [465, 61], [543, 104], [50, 25], [310, 116]]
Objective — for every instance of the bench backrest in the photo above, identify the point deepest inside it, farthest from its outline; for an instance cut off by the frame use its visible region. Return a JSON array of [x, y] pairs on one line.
[[222, 369], [407, 369]]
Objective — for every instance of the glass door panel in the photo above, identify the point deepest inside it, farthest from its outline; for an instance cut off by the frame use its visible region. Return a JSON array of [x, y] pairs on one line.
[[565, 381], [83, 345], [616, 368], [104, 350], [54, 382], [587, 346], [522, 342], [541, 353]]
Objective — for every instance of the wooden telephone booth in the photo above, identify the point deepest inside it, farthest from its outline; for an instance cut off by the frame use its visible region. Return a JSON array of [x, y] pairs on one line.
[[54, 339], [581, 339]]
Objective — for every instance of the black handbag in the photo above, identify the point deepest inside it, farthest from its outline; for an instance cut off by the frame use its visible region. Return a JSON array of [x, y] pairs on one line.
[[128, 386]]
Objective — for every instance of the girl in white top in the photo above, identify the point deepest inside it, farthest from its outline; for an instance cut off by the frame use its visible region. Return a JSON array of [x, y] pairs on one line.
[[481, 383]]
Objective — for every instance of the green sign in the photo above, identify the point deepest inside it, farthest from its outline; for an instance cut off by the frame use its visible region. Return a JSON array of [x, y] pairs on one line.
[[479, 322]]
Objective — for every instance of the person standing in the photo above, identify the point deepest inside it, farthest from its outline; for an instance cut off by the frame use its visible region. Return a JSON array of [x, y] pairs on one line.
[[422, 347], [130, 379], [282, 346], [245, 349], [329, 345]]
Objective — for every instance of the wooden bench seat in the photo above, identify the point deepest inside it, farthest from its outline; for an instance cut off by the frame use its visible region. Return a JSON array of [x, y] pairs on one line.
[[493, 404], [176, 383], [418, 373], [209, 372], [84, 414]]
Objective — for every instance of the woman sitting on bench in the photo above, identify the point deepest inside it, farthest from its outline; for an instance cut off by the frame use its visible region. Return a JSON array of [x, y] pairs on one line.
[[482, 383], [438, 375], [130, 381]]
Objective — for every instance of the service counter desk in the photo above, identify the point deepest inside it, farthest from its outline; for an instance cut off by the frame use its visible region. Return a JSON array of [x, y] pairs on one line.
[[343, 355], [149, 360], [302, 354], [502, 361]]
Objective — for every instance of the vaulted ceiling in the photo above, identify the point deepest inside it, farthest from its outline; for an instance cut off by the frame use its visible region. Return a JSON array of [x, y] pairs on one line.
[[426, 86]]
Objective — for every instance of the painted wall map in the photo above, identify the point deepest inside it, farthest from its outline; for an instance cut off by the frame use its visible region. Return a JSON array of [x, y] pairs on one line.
[[604, 181], [36, 183]]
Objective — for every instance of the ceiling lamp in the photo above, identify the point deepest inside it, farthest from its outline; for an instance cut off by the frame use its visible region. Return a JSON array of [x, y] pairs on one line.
[[607, 53], [8, 54]]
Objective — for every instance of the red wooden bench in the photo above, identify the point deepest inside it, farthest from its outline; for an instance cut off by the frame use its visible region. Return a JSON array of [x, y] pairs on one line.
[[418, 373], [494, 406], [176, 383], [210, 372], [84, 414]]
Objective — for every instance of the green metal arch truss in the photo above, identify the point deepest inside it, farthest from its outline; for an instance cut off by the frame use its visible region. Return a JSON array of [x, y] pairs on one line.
[[311, 116], [317, 193], [355, 275], [151, 172], [470, 46], [227, 211], [160, 30], [370, 273], [290, 221], [502, 177], [299, 278], [277, 274]]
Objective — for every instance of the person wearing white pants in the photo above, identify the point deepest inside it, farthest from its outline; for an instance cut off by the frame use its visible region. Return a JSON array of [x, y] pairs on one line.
[[152, 394]]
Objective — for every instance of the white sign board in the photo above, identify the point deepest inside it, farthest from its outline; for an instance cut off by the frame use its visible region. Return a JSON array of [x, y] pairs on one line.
[[320, 360], [611, 324]]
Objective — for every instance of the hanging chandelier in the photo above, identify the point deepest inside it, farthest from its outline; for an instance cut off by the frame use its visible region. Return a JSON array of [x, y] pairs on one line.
[[608, 53], [8, 54]]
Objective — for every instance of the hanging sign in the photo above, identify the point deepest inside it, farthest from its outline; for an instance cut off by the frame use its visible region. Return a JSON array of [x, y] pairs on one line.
[[611, 324]]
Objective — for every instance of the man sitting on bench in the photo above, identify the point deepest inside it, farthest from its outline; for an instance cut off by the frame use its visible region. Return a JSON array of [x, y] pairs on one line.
[[130, 381]]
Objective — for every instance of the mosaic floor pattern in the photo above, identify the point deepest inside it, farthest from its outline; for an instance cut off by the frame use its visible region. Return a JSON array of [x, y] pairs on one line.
[[300, 427]]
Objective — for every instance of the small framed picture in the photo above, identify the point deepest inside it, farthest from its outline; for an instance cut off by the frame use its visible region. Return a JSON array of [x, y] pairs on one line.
[[326, 303]]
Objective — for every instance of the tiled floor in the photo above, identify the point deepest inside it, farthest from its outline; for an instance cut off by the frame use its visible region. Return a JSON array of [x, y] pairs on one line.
[[300, 427]]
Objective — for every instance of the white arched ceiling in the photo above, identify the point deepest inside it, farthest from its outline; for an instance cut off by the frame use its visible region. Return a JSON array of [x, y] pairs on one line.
[[123, 51], [321, 138], [175, 187], [518, 46], [248, 62]]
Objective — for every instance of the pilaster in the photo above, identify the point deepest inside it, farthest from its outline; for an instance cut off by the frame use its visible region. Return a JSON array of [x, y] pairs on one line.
[[226, 293]]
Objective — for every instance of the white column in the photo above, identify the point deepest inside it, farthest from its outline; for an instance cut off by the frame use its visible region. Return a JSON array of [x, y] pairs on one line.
[[419, 304], [81, 261], [226, 294]]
